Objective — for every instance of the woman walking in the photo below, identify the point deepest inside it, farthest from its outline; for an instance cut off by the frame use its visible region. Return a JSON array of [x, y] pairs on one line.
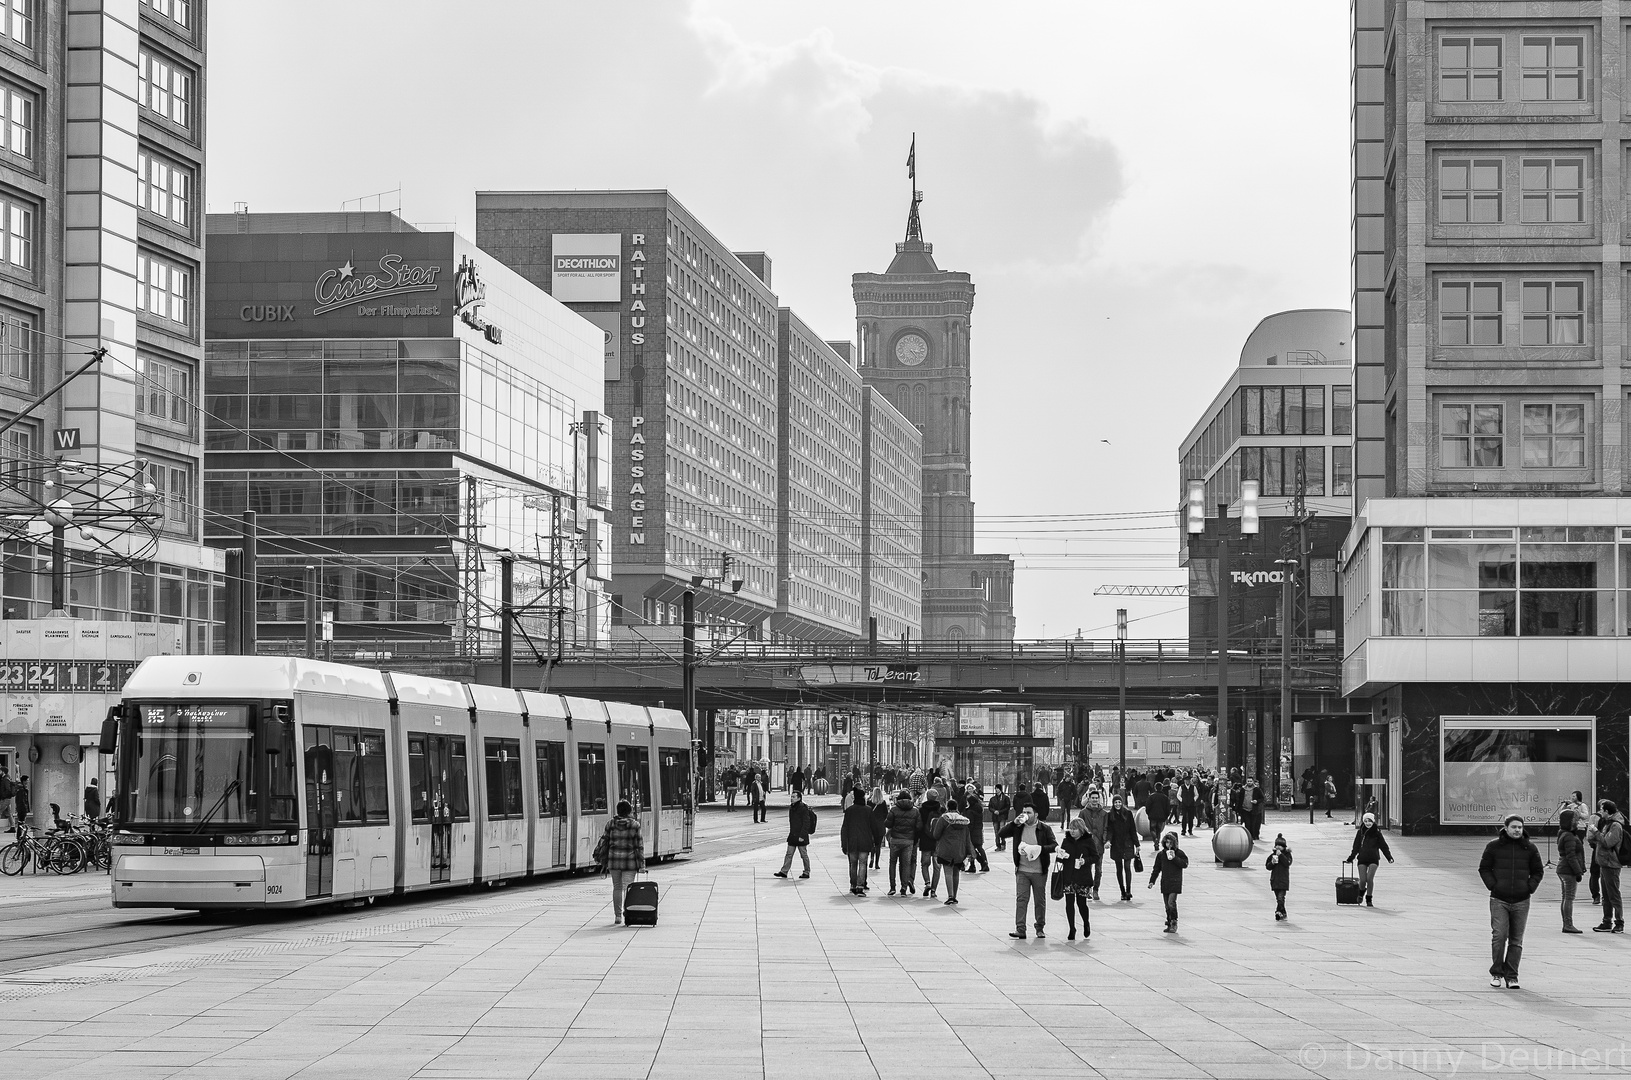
[[879, 805], [1169, 868], [1370, 847], [951, 848], [1123, 831], [1079, 853]]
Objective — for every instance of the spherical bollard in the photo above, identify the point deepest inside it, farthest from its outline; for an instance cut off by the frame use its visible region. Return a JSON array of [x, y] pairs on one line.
[[821, 785], [1141, 819], [1231, 844]]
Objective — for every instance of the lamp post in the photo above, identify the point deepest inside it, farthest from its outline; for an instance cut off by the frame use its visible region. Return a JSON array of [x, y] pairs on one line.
[[1288, 571], [1196, 525], [688, 656], [1121, 680]]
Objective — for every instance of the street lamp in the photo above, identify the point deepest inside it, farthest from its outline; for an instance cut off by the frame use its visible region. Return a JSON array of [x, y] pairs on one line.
[[1121, 680], [688, 655]]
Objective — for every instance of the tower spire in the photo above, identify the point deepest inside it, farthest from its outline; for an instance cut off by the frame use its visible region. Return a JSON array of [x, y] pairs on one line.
[[914, 227]]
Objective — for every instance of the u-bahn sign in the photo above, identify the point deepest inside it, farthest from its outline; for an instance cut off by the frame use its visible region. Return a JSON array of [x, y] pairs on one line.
[[857, 674]]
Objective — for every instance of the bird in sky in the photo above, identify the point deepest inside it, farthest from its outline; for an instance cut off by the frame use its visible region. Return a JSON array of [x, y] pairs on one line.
[[1106, 442]]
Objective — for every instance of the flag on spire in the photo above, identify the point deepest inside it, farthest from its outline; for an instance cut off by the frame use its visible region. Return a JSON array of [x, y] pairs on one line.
[[911, 158]]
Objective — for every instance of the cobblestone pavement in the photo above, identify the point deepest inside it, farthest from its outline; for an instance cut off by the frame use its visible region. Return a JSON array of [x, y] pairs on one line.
[[747, 975]]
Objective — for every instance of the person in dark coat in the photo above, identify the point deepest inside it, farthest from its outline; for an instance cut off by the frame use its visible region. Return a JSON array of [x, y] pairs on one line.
[[1256, 803], [21, 803], [951, 849], [1039, 801], [857, 837], [1278, 865], [1158, 808], [879, 805], [1370, 847], [1141, 789], [974, 810], [801, 822], [1065, 791], [1188, 800], [1571, 866], [998, 809], [1078, 855], [1169, 868], [93, 800], [1511, 870], [927, 811], [902, 828], [1123, 831]]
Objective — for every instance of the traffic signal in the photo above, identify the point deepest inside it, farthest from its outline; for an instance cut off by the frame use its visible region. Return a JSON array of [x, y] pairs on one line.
[[1248, 507], [1195, 518]]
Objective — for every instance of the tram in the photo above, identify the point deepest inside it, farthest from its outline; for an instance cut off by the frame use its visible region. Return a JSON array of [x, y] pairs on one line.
[[277, 782]]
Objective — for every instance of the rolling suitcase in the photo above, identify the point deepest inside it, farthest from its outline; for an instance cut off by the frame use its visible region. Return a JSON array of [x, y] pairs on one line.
[[1348, 891], [640, 904]]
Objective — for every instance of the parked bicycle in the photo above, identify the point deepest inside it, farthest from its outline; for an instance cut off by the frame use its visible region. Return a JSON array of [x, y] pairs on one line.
[[53, 852]]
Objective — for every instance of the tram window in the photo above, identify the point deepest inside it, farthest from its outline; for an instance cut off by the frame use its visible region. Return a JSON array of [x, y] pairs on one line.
[[633, 774], [503, 777], [458, 780], [676, 776], [376, 802], [281, 777], [551, 779], [592, 779], [418, 779], [348, 788]]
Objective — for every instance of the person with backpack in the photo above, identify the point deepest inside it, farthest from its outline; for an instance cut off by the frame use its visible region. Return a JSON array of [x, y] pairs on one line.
[[1278, 865], [901, 827], [801, 822], [1170, 862], [1571, 867], [621, 853], [1511, 870], [1613, 851], [1370, 846]]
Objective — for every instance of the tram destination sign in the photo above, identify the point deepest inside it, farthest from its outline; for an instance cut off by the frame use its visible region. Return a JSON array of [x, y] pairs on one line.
[[859, 674], [66, 676]]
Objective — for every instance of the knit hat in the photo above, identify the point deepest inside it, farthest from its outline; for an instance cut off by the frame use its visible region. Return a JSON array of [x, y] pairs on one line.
[[1370, 819], [1510, 818], [1279, 839]]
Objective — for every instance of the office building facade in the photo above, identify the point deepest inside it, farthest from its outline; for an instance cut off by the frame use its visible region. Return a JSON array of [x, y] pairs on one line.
[[400, 409], [1485, 577], [913, 336], [101, 244], [891, 521]]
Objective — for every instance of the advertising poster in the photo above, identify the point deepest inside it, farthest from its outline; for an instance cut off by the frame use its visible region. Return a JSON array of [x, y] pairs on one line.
[[611, 327], [586, 267], [1484, 792], [837, 730]]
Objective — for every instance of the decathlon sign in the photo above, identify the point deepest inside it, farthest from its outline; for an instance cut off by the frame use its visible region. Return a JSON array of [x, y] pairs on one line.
[[586, 267], [1250, 578]]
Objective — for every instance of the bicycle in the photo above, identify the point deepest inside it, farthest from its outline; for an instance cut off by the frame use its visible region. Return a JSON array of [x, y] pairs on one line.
[[54, 852]]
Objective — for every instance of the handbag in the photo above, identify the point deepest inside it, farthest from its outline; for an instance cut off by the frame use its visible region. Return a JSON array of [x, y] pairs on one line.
[[1057, 886], [1138, 863]]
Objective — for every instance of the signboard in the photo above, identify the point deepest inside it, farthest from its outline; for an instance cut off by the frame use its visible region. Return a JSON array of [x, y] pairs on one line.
[[857, 674], [586, 267], [837, 730], [611, 325], [1495, 766]]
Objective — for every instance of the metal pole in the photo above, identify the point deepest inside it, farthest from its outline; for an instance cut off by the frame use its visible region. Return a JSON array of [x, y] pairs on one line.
[[311, 612], [251, 587], [234, 596], [1121, 679], [506, 619], [1224, 754], [688, 659], [1286, 587], [59, 568]]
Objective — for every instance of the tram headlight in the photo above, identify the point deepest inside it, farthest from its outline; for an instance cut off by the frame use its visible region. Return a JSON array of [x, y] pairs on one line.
[[258, 839], [124, 838]]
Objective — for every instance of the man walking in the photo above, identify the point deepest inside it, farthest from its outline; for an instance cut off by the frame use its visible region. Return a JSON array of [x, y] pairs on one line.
[[1512, 871], [1610, 832], [998, 808], [1034, 845], [756, 797], [801, 822], [1065, 792]]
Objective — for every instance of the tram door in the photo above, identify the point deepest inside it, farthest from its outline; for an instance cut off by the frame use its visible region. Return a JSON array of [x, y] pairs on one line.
[[320, 811], [633, 784], [440, 749]]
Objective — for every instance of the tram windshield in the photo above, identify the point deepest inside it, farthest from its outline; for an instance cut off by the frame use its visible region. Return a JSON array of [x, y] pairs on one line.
[[191, 764]]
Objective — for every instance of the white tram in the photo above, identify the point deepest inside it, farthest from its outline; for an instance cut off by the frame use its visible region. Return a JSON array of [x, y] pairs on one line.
[[250, 782]]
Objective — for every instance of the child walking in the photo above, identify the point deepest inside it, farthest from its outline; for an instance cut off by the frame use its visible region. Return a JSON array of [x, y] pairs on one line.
[[1169, 867], [1279, 868]]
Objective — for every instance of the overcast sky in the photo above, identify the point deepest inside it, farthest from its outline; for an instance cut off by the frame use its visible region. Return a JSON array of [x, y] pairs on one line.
[[1130, 195]]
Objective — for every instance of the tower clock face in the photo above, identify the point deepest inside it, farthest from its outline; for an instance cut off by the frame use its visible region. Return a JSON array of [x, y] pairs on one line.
[[911, 349]]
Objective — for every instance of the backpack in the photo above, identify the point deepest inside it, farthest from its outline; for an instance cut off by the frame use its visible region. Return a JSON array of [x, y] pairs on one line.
[[1624, 852], [7, 788]]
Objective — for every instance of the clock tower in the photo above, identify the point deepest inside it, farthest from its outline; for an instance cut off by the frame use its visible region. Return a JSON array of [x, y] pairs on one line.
[[912, 329]]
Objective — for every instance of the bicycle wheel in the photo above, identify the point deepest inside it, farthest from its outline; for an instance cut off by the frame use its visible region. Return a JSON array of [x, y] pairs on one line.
[[67, 857], [102, 856], [13, 857]]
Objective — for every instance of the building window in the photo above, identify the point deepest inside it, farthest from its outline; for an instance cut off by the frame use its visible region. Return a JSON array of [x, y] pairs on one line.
[[1470, 69], [1469, 313], [1554, 312], [17, 347], [172, 494], [1553, 69], [1472, 436], [1172, 746], [19, 16], [1469, 191], [1277, 468], [1342, 470], [17, 123], [1342, 410], [163, 288], [164, 390], [163, 188], [177, 11], [16, 455], [16, 233], [163, 88], [1554, 436], [1552, 190]]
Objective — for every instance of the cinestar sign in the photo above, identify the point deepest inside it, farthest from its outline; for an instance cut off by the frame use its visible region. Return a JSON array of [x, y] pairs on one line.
[[1249, 578], [344, 285]]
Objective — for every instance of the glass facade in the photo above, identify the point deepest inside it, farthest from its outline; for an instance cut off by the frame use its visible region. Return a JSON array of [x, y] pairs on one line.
[[102, 589]]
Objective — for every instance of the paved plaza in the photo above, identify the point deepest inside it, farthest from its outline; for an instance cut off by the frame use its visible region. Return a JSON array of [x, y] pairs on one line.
[[748, 976]]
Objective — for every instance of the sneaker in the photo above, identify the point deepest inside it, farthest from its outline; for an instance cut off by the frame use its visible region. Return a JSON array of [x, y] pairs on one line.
[[912, 889], [804, 875], [1039, 934], [1170, 929], [1020, 934], [1512, 984], [779, 873], [1603, 929], [950, 901], [1596, 901], [1619, 928], [1572, 930], [1497, 982], [891, 892]]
